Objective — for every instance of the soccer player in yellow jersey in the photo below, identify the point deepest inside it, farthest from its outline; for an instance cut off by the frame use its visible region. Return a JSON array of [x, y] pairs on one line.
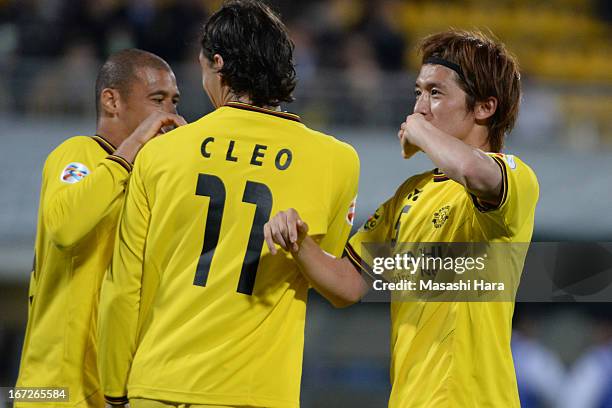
[[451, 354], [83, 184], [195, 310]]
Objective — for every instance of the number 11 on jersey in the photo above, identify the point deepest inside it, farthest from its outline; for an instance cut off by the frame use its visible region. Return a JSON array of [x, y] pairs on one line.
[[254, 193]]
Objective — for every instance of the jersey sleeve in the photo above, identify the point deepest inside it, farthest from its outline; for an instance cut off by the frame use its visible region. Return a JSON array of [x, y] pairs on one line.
[[345, 181], [520, 193], [75, 201], [378, 228], [121, 297]]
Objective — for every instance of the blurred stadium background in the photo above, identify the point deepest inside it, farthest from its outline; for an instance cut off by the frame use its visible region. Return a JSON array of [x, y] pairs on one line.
[[356, 67]]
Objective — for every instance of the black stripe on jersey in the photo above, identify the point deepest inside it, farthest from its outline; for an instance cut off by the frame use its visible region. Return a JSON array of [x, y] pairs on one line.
[[105, 144], [357, 262], [504, 170], [116, 400], [253, 108], [124, 163], [484, 207], [438, 176]]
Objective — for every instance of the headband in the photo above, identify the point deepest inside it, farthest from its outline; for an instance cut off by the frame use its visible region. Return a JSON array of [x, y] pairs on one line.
[[447, 64]]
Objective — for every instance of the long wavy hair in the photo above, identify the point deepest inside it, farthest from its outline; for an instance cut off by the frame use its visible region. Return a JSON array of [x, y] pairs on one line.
[[256, 50]]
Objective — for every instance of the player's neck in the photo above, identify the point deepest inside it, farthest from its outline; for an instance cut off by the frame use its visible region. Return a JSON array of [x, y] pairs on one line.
[[246, 99], [478, 138], [110, 133]]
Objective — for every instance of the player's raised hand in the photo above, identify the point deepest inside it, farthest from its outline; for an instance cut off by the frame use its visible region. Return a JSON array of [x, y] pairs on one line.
[[155, 124], [405, 134], [286, 229]]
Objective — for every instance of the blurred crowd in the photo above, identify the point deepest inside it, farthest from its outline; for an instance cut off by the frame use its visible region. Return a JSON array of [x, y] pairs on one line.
[[327, 33], [355, 58], [563, 355], [50, 51]]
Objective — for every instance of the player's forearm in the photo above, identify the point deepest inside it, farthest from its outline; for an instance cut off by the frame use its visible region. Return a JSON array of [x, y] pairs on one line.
[[128, 149], [75, 210], [335, 279], [465, 164]]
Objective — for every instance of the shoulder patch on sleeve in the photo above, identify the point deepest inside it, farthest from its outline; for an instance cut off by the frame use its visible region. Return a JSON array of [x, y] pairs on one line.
[[510, 160], [74, 172], [350, 215]]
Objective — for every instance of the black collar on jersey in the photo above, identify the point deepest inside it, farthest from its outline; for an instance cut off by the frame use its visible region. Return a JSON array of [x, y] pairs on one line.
[[253, 108], [447, 64], [105, 144]]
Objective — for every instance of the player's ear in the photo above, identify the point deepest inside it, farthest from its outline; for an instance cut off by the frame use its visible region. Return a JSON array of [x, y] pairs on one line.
[[485, 109], [217, 62], [110, 101], [217, 65]]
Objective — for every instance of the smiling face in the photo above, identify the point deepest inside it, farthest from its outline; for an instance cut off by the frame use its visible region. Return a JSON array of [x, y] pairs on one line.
[[443, 103], [151, 90]]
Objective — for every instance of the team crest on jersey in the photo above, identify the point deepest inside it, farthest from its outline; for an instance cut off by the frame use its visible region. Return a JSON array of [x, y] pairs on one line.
[[373, 220], [440, 216], [350, 216], [74, 172]]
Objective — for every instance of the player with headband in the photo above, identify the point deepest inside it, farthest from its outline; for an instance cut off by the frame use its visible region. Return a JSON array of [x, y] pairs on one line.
[[443, 353]]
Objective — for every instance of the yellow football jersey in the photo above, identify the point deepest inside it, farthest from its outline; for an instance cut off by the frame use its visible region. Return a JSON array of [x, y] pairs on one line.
[[195, 309], [82, 188], [453, 354]]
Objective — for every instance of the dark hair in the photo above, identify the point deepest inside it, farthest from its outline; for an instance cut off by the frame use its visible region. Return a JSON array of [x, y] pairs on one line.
[[119, 71], [488, 68], [256, 50]]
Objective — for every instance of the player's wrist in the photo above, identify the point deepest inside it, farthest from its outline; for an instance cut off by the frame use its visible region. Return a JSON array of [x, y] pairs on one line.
[[304, 248], [142, 135], [128, 150]]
